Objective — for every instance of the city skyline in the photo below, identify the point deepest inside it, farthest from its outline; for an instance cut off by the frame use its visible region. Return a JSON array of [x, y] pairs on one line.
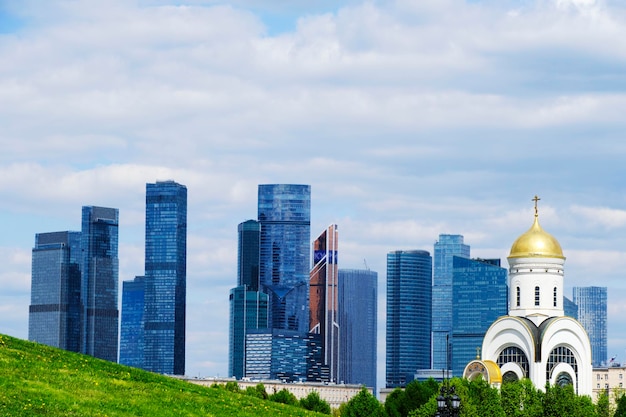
[[425, 118]]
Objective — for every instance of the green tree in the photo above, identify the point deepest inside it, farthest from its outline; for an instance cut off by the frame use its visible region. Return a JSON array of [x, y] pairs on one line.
[[418, 393], [313, 402], [481, 399], [521, 399], [363, 404], [257, 391], [603, 408], [621, 407], [396, 404], [285, 397], [232, 386], [560, 401]]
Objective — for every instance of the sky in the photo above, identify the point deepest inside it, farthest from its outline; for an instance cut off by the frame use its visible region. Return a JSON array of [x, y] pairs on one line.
[[408, 118]]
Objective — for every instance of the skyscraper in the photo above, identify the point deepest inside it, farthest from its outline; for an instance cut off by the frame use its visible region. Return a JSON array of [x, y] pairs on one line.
[[284, 211], [99, 288], [324, 301], [165, 277], [480, 297], [248, 306], [131, 333], [357, 310], [409, 315], [445, 249], [592, 314], [54, 316]]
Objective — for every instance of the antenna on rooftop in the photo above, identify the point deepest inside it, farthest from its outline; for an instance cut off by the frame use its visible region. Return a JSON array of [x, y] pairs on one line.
[[365, 263]]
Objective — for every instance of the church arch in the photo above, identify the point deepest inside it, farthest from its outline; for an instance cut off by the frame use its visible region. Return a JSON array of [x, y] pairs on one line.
[[561, 361], [514, 355]]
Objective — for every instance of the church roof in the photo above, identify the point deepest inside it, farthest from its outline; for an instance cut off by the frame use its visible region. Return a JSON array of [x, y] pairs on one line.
[[536, 242]]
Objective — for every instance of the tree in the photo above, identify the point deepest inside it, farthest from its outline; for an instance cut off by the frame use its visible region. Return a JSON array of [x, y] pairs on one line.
[[313, 402], [257, 391], [285, 397], [396, 404], [363, 404], [521, 399], [602, 406], [621, 407], [560, 401], [418, 393]]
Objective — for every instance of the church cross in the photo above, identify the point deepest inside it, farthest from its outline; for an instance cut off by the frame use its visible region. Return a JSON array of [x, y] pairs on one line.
[[536, 200]]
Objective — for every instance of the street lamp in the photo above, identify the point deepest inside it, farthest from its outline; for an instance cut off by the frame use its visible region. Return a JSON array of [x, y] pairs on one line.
[[448, 403]]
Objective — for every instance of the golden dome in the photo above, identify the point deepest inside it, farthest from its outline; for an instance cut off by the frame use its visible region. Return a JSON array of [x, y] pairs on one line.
[[536, 243]]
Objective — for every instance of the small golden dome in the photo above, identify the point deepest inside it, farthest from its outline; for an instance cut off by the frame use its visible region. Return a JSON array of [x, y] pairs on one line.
[[536, 243]]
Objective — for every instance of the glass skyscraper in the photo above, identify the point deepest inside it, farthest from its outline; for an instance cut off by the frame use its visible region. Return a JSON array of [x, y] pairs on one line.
[[445, 249], [284, 211], [357, 310], [324, 301], [409, 315], [54, 316], [248, 254], [165, 277], [99, 287], [131, 334], [480, 296], [592, 314]]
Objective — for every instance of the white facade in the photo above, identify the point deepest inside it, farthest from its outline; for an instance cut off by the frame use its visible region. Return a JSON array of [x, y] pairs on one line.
[[536, 340]]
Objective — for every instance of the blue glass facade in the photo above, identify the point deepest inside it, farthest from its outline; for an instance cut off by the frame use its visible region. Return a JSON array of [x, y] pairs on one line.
[[592, 314], [409, 315], [284, 211], [480, 297], [131, 333], [99, 241], [445, 249], [570, 308], [358, 312], [248, 254], [54, 316], [165, 278], [248, 311]]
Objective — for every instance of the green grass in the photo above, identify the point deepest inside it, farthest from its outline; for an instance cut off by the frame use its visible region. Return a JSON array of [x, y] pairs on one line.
[[37, 380]]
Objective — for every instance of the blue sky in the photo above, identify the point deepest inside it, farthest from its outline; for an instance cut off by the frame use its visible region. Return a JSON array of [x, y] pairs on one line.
[[408, 118]]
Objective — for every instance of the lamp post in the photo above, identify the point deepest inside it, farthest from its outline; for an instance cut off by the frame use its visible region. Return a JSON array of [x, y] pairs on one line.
[[448, 403]]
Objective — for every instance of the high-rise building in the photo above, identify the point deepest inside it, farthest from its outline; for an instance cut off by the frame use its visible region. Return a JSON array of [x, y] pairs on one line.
[[445, 249], [132, 323], [592, 314], [409, 308], [570, 308], [248, 311], [99, 287], [165, 277], [324, 301], [480, 297], [54, 316], [248, 254], [357, 310], [284, 211]]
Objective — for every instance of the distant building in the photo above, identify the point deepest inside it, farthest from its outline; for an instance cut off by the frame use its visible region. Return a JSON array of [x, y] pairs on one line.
[[409, 308], [480, 297], [284, 211], [54, 316], [445, 249], [132, 322], [100, 281], [570, 309], [324, 302], [609, 379], [248, 306], [592, 314], [358, 323], [165, 277]]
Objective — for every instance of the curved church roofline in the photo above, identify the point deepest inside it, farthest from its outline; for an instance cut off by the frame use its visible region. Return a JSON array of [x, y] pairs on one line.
[[533, 332]]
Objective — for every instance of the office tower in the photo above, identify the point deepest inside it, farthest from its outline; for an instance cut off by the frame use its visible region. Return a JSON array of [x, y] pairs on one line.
[[445, 249], [165, 272], [248, 254], [54, 316], [99, 288], [570, 308], [358, 300], [248, 311], [409, 308], [324, 301], [480, 297], [592, 314], [284, 211], [131, 333]]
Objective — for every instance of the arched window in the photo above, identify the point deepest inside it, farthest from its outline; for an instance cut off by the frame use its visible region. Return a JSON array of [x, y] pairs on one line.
[[555, 296], [561, 354], [536, 296], [518, 296], [515, 355]]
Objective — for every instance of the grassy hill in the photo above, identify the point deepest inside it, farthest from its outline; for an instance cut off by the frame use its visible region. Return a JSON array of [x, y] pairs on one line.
[[40, 380]]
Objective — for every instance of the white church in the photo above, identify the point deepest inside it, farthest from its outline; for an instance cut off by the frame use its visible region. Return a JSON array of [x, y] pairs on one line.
[[536, 340]]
